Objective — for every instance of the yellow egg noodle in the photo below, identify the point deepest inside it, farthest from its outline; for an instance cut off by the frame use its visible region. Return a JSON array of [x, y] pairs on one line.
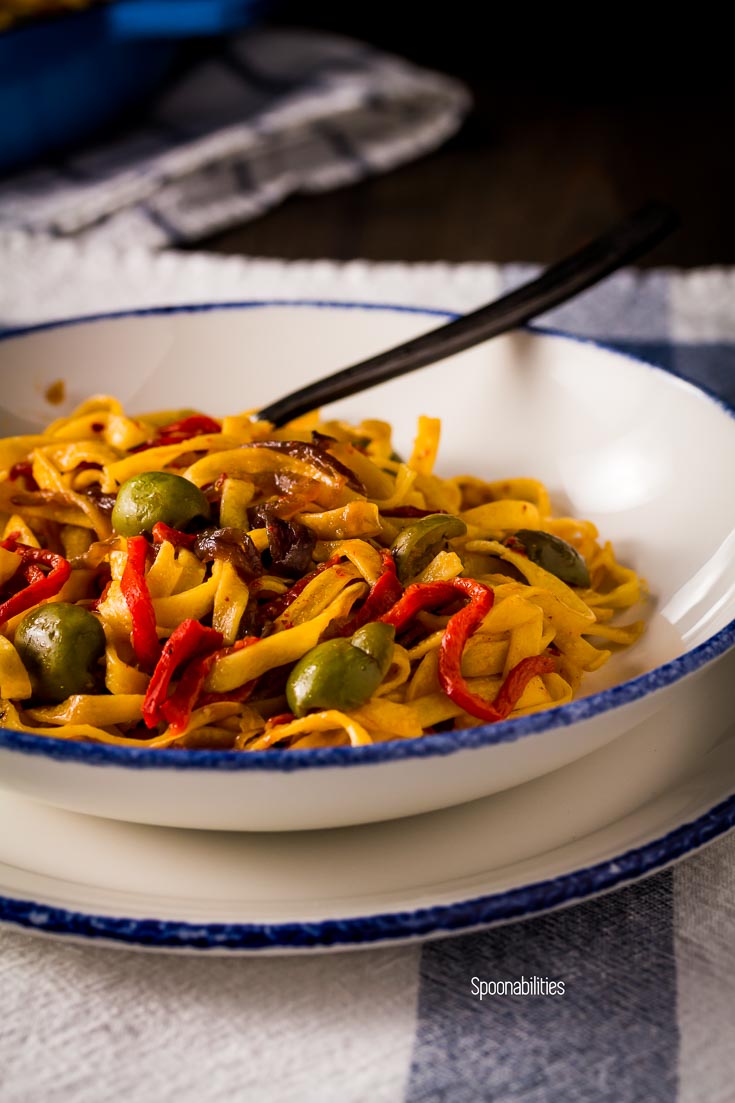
[[172, 580]]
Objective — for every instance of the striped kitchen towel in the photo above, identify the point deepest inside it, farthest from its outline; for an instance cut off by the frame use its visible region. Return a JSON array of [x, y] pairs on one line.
[[266, 114]]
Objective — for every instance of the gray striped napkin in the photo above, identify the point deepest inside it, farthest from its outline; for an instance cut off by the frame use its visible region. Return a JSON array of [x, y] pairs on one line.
[[267, 114]]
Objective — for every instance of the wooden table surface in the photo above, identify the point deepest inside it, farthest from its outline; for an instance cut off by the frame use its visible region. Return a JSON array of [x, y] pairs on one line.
[[562, 141]]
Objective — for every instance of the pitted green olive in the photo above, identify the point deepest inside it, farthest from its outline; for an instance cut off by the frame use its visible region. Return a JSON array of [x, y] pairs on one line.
[[144, 500], [415, 547], [376, 640], [555, 556], [341, 674], [60, 645]]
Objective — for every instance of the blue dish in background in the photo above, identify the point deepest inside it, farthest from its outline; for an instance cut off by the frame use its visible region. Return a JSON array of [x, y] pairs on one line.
[[63, 78]]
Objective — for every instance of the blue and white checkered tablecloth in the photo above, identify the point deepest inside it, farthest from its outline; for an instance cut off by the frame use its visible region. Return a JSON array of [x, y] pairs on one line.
[[648, 1014]]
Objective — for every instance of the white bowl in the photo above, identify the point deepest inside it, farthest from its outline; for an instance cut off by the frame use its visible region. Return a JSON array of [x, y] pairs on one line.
[[646, 456]]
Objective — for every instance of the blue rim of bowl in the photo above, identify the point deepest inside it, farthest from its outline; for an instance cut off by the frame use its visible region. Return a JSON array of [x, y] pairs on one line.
[[522, 902], [289, 761]]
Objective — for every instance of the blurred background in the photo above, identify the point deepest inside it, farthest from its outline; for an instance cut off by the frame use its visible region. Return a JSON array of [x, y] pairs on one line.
[[572, 125], [575, 122]]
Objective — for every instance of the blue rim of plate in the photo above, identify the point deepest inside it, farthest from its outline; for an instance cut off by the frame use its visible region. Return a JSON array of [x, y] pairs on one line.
[[344, 757], [522, 902]]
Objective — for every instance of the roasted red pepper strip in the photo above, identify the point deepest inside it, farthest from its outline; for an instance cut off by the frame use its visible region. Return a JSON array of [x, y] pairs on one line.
[[32, 573], [193, 426], [178, 708], [38, 588], [384, 593], [162, 531], [418, 596], [176, 431], [188, 639], [512, 688], [456, 634], [138, 600]]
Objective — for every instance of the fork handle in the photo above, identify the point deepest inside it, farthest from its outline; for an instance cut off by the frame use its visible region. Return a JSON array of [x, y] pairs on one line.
[[556, 284]]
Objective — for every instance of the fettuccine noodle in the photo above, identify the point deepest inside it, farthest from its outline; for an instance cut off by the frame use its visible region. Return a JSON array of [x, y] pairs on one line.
[[326, 592]]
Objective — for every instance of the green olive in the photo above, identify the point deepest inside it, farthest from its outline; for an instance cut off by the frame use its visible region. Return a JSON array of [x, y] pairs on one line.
[[415, 547], [60, 645], [144, 500], [555, 556], [341, 674], [376, 640]]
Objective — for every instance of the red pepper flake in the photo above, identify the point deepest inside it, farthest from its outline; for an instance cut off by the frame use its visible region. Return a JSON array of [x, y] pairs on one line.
[[138, 599], [40, 586]]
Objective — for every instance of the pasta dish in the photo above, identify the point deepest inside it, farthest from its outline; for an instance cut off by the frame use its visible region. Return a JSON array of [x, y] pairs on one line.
[[172, 580]]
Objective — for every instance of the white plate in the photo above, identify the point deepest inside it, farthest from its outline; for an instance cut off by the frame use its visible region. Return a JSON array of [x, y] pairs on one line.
[[608, 819], [605, 432]]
